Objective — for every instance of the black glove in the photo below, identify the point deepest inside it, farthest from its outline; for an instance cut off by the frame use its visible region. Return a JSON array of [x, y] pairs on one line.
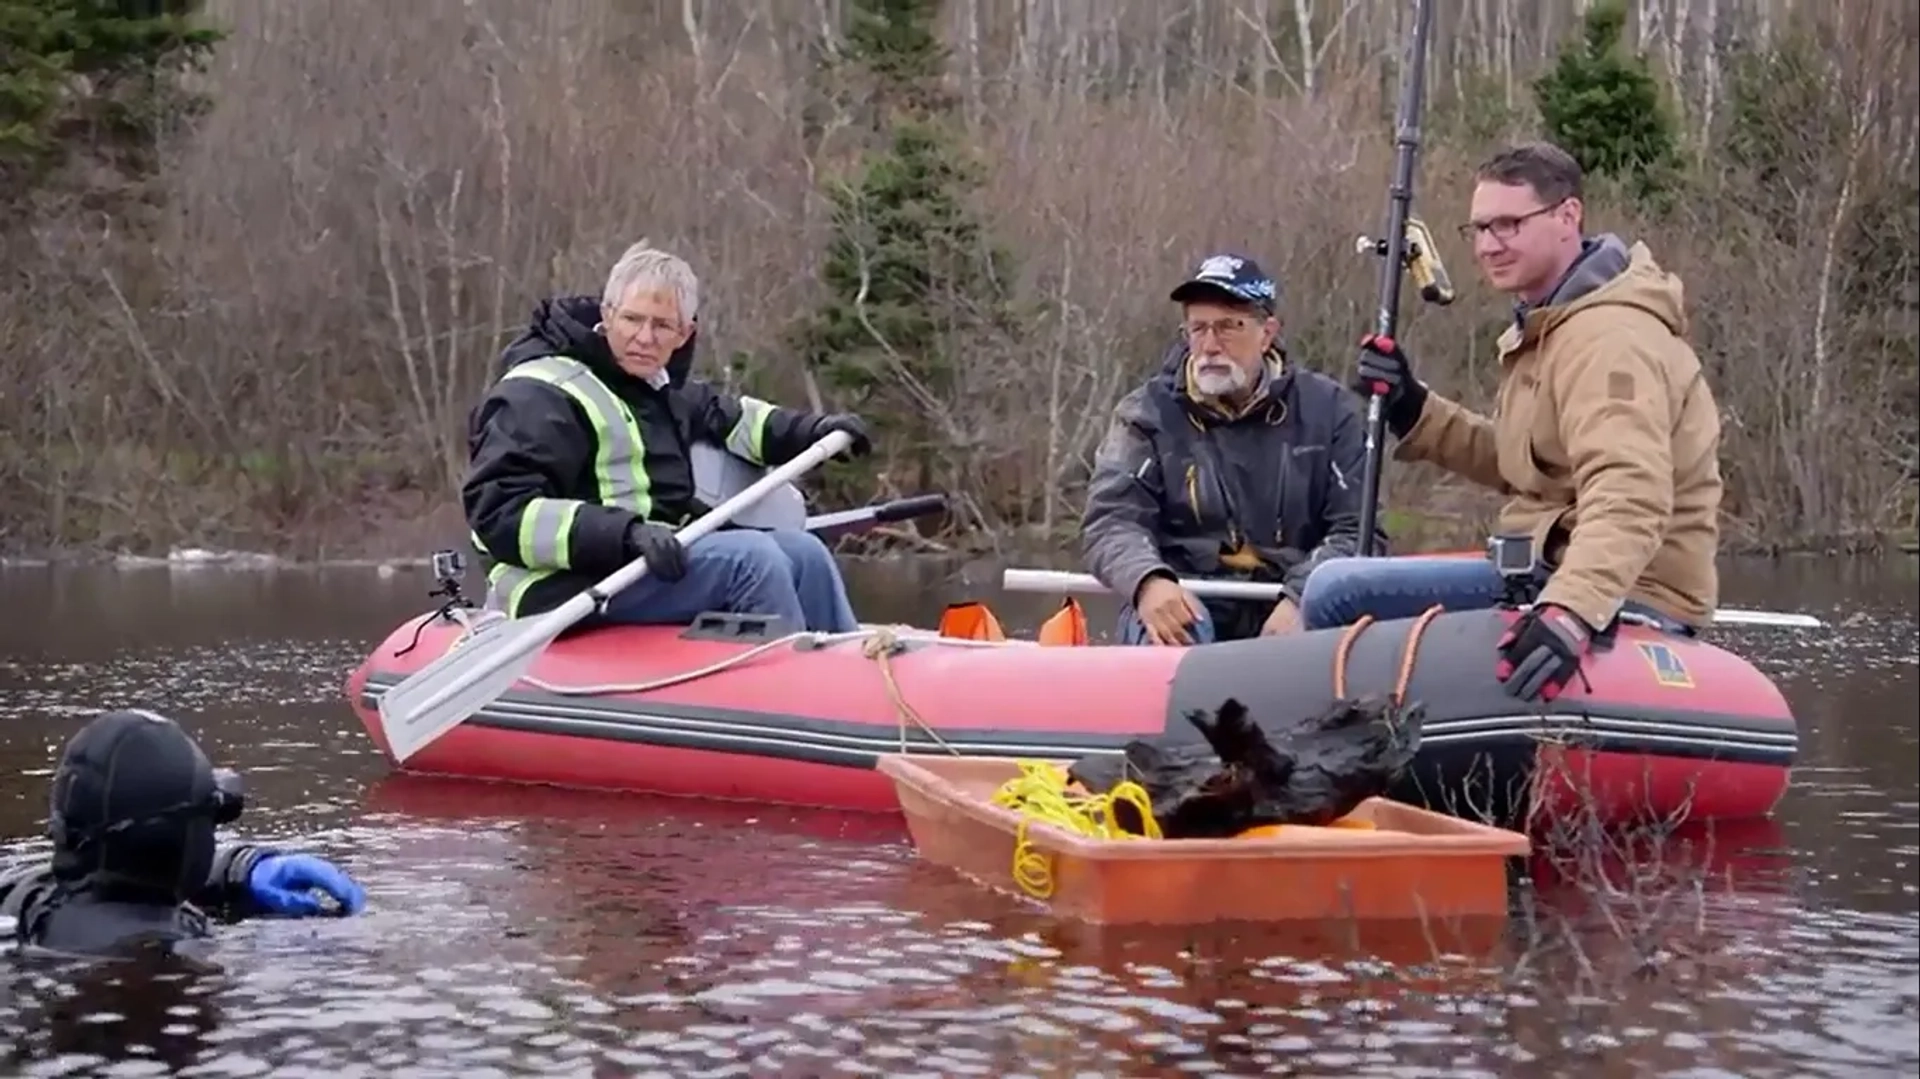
[[1541, 652], [1384, 369], [666, 558], [862, 443]]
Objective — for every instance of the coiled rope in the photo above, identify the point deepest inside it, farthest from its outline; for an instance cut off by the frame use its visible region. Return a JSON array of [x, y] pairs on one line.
[[1040, 793]]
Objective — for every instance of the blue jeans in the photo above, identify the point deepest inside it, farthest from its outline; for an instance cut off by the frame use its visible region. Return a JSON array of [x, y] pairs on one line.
[[1133, 631], [1340, 590], [745, 571]]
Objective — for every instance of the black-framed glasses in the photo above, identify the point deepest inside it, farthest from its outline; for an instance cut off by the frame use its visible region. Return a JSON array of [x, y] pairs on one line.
[[1232, 326], [1505, 227]]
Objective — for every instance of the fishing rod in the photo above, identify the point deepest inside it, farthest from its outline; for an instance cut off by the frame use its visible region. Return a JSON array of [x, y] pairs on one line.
[[1405, 247]]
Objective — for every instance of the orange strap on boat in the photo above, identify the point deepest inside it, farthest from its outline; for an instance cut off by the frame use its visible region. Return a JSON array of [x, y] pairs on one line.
[[1407, 658], [1067, 626], [1341, 653], [972, 621]]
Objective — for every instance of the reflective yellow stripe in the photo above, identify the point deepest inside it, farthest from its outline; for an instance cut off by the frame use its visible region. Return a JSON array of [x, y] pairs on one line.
[[619, 472], [748, 439], [620, 455], [544, 528], [507, 585]]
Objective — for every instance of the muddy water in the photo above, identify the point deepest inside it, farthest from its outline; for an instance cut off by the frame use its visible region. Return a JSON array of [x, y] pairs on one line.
[[529, 932]]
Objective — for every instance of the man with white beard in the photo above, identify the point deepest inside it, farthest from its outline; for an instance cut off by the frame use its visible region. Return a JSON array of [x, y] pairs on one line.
[[1232, 462]]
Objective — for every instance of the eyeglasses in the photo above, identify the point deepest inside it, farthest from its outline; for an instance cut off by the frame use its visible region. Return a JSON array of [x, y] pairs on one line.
[[1221, 328], [662, 328], [1505, 227]]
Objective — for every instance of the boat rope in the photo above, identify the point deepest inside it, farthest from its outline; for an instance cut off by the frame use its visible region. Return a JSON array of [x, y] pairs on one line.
[[603, 689], [879, 647], [1040, 793], [1408, 657], [809, 638]]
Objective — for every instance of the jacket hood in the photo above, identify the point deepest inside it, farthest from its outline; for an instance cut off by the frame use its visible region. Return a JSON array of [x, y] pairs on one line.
[[1608, 272], [569, 326]]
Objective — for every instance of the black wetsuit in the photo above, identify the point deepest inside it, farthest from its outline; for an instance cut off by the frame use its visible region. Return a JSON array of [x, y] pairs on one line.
[[104, 918], [135, 865]]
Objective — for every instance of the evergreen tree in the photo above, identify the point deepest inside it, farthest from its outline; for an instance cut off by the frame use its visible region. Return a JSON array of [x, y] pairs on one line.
[[98, 75], [1604, 106], [910, 274], [895, 43]]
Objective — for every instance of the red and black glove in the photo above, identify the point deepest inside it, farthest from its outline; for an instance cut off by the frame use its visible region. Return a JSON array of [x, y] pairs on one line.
[[1385, 370], [1542, 651]]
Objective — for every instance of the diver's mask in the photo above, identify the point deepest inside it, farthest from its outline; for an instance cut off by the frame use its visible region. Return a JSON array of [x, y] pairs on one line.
[[222, 805]]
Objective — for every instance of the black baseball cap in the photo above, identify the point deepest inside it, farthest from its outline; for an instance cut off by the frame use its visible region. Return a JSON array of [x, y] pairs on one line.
[[1236, 277]]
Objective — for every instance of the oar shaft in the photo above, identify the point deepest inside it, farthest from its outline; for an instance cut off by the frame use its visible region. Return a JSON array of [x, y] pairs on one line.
[[711, 522]]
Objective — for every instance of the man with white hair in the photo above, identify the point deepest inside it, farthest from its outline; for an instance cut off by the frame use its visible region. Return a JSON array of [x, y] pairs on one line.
[[1232, 462], [579, 463]]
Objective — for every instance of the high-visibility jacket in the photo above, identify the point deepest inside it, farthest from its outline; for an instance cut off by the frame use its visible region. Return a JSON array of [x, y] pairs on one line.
[[566, 450]]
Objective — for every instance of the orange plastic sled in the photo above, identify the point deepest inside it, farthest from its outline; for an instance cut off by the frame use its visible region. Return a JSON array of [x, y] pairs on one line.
[[1410, 864]]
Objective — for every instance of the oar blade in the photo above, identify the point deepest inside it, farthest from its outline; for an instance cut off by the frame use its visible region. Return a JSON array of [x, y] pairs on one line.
[[436, 698]]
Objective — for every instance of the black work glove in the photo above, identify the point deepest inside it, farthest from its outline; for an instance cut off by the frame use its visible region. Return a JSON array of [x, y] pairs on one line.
[[862, 443], [1384, 369], [666, 558], [1541, 652]]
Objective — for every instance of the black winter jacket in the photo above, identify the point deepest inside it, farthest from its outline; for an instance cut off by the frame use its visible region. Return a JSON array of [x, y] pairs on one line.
[[528, 439], [1181, 488]]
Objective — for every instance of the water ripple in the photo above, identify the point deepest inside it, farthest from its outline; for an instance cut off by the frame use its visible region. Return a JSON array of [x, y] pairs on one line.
[[518, 931]]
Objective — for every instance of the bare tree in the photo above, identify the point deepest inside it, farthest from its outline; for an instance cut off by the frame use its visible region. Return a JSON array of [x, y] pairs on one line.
[[285, 348]]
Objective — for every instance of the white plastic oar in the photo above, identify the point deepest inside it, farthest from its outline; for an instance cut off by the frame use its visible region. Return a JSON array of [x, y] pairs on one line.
[[438, 697], [1047, 580]]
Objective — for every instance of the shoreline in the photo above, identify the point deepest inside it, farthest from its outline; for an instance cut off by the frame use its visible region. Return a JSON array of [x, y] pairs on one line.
[[200, 559]]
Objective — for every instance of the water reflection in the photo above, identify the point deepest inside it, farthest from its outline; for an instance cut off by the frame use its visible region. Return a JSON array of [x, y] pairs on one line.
[[530, 931], [72, 1017]]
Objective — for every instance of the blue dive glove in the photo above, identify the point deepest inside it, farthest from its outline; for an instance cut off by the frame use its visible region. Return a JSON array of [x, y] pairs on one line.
[[285, 883]]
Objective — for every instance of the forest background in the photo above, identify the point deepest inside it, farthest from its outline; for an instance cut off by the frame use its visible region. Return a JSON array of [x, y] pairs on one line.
[[259, 255]]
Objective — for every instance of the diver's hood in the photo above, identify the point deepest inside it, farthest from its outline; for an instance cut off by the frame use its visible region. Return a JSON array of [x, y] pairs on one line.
[[133, 808]]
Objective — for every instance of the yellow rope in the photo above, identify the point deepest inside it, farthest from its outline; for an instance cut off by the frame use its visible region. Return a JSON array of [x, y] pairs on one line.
[[1039, 793]]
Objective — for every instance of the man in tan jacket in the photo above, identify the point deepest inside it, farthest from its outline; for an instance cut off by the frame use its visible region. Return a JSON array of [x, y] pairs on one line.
[[1605, 438]]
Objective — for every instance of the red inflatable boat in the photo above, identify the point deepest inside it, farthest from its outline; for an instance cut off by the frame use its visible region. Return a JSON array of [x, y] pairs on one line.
[[1662, 727]]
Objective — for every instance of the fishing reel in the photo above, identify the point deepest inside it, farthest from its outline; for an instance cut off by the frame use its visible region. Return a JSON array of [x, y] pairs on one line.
[[1422, 261]]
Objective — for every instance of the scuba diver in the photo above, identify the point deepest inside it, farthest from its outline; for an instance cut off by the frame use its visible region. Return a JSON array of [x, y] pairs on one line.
[[135, 864]]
